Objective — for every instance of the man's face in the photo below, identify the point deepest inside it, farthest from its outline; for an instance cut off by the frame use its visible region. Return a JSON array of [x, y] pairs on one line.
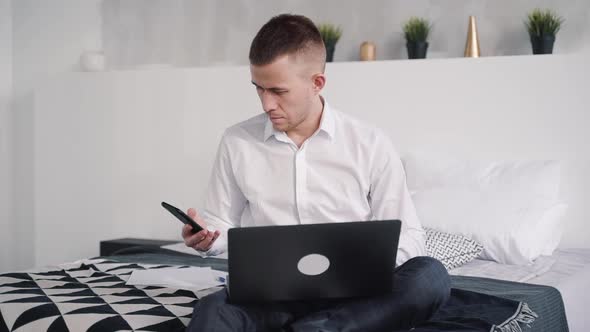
[[286, 91]]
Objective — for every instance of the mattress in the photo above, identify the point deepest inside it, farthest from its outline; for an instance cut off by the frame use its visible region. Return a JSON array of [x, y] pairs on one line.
[[568, 270], [92, 294]]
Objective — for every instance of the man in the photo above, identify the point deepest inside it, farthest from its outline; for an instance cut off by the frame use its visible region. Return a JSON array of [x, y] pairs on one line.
[[303, 162]]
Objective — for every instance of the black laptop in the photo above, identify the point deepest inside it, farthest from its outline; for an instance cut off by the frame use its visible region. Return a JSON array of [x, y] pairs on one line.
[[308, 262]]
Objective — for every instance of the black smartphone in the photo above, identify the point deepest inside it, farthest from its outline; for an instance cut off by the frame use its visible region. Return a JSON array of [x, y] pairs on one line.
[[182, 217]]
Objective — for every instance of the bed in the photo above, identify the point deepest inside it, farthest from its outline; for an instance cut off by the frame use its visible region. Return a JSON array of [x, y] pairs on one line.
[[506, 121], [506, 214], [568, 270], [91, 295]]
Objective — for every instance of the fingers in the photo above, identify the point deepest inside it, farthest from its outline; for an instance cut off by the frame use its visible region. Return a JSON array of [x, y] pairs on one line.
[[214, 236], [194, 239], [201, 241], [206, 243]]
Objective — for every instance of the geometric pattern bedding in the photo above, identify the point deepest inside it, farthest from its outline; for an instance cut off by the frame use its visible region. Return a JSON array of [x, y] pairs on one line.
[[91, 295], [95, 297]]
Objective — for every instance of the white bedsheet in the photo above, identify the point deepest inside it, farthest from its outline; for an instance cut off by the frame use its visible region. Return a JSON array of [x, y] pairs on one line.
[[493, 270], [568, 270]]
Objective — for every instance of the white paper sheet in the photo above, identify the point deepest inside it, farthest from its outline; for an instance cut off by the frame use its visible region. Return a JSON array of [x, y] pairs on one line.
[[181, 247], [193, 278]]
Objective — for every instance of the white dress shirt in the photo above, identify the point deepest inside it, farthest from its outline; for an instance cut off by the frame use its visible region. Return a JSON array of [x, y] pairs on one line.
[[346, 171]]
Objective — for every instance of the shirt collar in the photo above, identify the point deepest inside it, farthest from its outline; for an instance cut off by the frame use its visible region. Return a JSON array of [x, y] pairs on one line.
[[327, 124]]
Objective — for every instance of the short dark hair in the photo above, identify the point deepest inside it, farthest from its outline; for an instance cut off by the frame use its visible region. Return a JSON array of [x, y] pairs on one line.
[[285, 34]]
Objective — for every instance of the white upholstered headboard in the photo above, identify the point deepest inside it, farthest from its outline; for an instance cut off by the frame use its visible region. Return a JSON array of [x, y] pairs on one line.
[[108, 147]]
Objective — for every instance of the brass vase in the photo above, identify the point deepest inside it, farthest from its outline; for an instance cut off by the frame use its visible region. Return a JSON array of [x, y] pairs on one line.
[[368, 51], [472, 44]]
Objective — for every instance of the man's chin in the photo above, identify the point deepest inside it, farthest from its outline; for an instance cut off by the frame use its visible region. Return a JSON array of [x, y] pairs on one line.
[[279, 127]]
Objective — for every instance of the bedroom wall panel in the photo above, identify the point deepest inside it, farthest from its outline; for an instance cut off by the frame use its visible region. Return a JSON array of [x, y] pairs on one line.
[[6, 145], [109, 147], [47, 40]]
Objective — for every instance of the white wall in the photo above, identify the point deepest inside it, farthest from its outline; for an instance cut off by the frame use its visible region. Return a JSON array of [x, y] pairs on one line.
[[204, 32], [48, 38], [6, 211], [109, 147]]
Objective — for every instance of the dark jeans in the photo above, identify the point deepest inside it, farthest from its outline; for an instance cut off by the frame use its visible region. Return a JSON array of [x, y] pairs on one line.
[[421, 286]]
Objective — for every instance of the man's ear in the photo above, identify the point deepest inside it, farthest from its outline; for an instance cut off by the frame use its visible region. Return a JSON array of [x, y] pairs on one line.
[[319, 81]]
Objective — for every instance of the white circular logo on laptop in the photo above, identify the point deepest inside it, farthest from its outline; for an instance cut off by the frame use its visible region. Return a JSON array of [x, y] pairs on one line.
[[313, 264]]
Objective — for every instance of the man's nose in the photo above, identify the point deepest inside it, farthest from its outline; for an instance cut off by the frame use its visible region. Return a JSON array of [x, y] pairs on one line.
[[269, 103]]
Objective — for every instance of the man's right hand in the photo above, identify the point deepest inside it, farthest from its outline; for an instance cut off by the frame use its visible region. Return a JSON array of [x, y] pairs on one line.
[[201, 241]]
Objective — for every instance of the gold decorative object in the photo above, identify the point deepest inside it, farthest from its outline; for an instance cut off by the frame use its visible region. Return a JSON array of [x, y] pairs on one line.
[[368, 51], [472, 45]]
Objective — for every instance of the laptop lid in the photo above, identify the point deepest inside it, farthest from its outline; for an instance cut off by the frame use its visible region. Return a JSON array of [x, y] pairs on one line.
[[316, 261]]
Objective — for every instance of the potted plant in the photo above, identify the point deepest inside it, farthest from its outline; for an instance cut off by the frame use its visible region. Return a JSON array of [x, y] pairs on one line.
[[416, 31], [330, 34], [542, 26]]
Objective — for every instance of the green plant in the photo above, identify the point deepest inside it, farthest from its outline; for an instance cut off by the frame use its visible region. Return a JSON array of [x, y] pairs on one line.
[[542, 23], [417, 29], [330, 33]]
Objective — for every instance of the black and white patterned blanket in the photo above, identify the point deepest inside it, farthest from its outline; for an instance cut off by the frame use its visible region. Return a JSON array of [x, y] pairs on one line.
[[91, 295]]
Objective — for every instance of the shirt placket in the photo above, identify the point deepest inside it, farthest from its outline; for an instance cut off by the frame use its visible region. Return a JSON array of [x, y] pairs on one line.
[[301, 184]]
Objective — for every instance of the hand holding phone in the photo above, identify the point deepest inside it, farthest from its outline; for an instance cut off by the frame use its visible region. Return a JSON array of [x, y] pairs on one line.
[[194, 235], [182, 217]]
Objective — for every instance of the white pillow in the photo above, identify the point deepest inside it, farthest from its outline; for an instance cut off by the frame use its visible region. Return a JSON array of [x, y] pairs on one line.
[[510, 208], [553, 225], [531, 178]]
